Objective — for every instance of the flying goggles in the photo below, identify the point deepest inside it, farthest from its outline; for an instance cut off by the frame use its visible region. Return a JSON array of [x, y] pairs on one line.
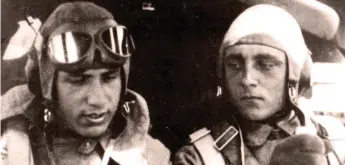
[[77, 49]]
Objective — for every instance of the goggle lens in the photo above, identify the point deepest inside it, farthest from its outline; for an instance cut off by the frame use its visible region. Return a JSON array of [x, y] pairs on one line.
[[118, 40], [69, 47]]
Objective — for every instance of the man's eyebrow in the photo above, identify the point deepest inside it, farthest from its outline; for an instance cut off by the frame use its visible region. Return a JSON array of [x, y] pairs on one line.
[[77, 73], [264, 56], [111, 71], [234, 57]]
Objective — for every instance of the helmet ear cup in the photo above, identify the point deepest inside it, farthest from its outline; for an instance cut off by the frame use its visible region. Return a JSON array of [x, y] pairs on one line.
[[32, 73], [305, 82]]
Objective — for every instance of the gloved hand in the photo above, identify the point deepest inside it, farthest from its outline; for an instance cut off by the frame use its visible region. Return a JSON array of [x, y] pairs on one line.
[[303, 149], [129, 148]]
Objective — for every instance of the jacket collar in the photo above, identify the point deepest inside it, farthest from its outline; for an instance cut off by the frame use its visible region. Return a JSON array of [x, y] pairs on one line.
[[16, 102], [82, 145], [254, 136], [19, 101]]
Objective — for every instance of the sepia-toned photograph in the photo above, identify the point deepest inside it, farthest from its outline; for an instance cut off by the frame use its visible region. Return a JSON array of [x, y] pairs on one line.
[[172, 82]]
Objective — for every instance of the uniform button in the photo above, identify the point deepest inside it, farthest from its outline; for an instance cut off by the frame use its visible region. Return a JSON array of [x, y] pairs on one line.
[[87, 147]]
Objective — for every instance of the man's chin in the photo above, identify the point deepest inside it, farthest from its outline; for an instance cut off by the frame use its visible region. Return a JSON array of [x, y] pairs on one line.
[[92, 132], [254, 115], [255, 118]]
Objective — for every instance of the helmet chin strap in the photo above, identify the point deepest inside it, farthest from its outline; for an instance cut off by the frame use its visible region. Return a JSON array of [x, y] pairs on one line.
[[276, 117], [291, 101], [292, 89], [118, 122], [271, 120], [305, 127], [293, 98]]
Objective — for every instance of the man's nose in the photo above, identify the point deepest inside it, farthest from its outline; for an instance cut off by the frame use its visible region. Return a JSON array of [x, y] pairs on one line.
[[249, 77], [96, 94]]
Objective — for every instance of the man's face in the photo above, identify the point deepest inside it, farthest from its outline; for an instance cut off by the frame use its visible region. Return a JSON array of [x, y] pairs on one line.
[[87, 101], [255, 77]]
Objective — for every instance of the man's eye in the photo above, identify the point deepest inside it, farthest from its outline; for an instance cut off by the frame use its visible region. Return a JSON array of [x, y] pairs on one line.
[[233, 65], [77, 79], [266, 65], [111, 76]]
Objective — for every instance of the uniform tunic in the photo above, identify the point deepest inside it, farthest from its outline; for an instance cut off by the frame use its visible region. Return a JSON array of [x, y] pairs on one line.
[[24, 142]]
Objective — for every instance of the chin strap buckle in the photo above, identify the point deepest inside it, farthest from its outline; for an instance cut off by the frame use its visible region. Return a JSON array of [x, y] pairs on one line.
[[293, 93]]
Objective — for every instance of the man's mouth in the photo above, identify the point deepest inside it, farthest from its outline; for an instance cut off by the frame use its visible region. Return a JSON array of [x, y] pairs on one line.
[[94, 118], [250, 98]]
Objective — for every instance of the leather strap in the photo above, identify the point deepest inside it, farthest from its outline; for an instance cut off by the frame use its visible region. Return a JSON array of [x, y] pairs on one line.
[[203, 142]]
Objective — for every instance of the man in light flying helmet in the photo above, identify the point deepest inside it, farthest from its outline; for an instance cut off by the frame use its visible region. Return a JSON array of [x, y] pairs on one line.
[[263, 67]]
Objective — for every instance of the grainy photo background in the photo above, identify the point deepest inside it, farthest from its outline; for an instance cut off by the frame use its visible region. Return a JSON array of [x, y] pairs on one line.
[[174, 64]]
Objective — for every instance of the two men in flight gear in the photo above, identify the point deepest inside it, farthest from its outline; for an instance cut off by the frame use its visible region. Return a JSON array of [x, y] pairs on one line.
[[81, 111], [264, 67]]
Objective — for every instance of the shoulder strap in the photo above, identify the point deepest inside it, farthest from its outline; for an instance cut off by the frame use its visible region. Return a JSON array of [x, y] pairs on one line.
[[203, 142]]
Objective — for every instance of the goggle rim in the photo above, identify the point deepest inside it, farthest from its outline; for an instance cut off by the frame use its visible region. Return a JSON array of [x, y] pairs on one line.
[[56, 62], [108, 48], [92, 45]]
